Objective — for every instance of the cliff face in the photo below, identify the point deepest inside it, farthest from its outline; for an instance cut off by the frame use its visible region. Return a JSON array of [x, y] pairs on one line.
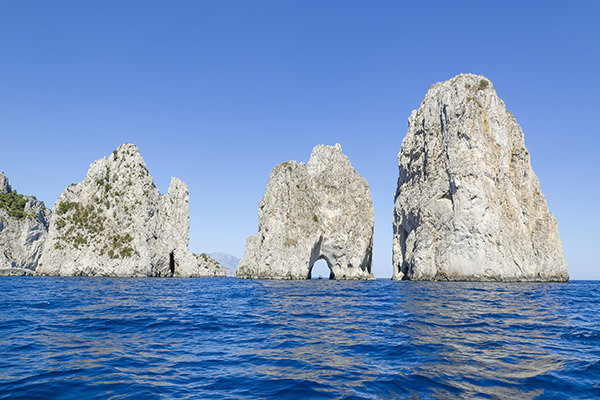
[[23, 230], [116, 223], [468, 205], [322, 209]]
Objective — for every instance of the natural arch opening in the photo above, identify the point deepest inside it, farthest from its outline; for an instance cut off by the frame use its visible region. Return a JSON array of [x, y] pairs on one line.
[[172, 263], [320, 270]]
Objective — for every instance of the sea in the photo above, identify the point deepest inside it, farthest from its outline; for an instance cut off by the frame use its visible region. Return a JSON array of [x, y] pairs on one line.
[[223, 338]]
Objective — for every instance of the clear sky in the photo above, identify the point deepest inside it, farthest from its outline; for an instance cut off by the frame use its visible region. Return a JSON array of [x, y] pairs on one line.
[[219, 92]]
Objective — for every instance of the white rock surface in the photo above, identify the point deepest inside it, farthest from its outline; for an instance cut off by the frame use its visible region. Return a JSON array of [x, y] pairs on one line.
[[322, 209], [468, 205], [22, 239], [116, 223], [4, 186]]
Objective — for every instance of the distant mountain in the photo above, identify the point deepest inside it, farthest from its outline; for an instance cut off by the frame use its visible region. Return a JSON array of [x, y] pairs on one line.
[[226, 260]]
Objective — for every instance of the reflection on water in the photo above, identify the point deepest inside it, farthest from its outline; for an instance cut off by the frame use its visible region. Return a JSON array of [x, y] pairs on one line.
[[483, 332], [457, 339], [228, 338], [318, 332]]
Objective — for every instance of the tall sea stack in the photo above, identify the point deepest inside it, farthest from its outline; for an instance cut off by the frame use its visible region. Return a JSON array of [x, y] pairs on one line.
[[116, 223], [468, 205], [319, 210]]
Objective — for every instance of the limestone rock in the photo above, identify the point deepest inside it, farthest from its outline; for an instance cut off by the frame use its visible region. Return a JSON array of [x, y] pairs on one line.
[[207, 266], [4, 186], [15, 271], [322, 209], [116, 223], [468, 205], [228, 262], [23, 230]]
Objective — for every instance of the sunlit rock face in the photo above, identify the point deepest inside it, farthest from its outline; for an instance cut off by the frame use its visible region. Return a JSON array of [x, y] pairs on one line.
[[23, 230], [4, 186], [116, 223], [468, 205], [319, 210]]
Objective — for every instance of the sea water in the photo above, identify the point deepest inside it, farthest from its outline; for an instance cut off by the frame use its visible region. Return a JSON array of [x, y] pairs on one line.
[[222, 338]]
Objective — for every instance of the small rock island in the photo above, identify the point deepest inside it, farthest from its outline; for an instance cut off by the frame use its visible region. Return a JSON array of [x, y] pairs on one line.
[[468, 205], [116, 223], [319, 210]]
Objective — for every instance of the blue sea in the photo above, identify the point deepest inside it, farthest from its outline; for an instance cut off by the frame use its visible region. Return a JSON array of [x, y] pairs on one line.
[[222, 338]]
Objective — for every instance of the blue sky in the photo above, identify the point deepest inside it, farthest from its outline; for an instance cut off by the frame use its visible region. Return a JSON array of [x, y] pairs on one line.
[[219, 92]]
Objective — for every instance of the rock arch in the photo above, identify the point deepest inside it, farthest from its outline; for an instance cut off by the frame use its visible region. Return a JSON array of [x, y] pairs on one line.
[[317, 270], [321, 209]]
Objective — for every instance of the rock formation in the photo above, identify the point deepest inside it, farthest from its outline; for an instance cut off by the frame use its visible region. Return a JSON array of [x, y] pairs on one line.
[[116, 223], [227, 261], [322, 209], [468, 205], [23, 230], [4, 186]]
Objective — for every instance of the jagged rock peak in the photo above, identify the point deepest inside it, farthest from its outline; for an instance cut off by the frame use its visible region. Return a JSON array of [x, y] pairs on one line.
[[4, 186], [322, 209], [116, 223], [468, 205], [23, 230]]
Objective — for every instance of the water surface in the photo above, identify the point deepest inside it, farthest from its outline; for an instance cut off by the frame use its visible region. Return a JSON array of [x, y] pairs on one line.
[[222, 338]]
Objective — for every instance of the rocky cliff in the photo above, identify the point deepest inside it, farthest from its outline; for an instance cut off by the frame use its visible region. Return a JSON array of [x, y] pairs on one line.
[[468, 205], [116, 223], [23, 230], [322, 209]]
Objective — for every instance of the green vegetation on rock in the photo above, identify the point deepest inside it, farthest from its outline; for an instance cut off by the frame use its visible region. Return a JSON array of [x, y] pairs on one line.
[[14, 203], [117, 246], [83, 223], [64, 207]]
